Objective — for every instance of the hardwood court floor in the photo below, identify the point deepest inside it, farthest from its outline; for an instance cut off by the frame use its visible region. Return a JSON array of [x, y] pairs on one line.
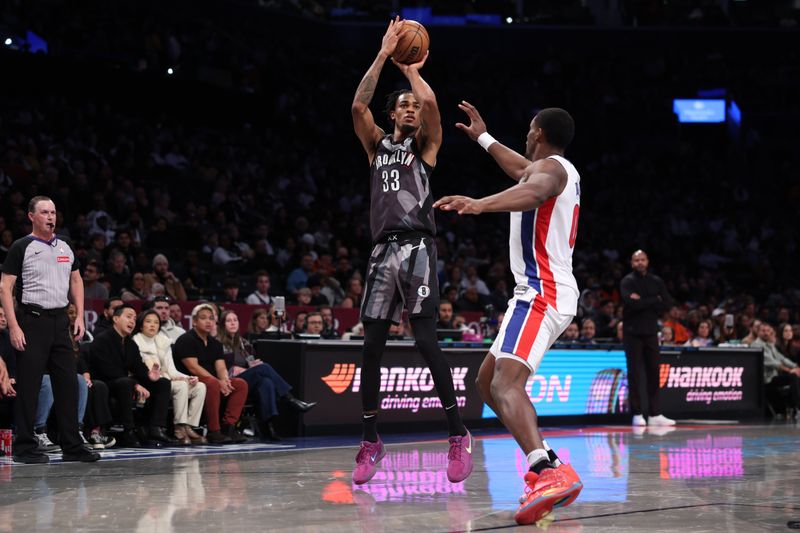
[[693, 478]]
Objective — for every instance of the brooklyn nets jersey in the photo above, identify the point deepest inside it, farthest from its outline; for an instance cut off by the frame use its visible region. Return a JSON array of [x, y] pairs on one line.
[[400, 189]]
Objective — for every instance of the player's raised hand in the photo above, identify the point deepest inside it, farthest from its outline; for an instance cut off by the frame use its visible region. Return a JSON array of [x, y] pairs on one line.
[[391, 36], [413, 66], [464, 205], [476, 123]]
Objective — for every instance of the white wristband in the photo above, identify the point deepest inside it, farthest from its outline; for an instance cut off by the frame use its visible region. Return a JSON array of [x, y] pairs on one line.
[[486, 140]]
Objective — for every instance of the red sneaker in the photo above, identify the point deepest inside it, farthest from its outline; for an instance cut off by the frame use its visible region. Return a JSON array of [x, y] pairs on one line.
[[551, 487], [573, 480]]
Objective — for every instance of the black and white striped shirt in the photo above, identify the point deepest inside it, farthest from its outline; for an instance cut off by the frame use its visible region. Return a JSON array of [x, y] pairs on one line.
[[43, 270]]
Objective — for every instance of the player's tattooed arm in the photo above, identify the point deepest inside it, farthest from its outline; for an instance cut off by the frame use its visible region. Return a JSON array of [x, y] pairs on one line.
[[366, 89], [363, 122]]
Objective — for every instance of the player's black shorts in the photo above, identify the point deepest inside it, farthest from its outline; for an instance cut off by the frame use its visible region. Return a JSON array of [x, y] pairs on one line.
[[401, 273]]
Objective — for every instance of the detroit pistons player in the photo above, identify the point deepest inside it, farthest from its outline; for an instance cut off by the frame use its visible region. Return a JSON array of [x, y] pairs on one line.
[[544, 208], [402, 267]]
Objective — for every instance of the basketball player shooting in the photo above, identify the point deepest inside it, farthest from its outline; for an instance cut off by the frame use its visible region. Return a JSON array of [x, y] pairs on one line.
[[544, 207], [402, 267]]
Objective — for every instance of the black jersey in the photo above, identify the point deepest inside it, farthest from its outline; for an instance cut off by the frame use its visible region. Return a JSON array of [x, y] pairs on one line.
[[401, 197]]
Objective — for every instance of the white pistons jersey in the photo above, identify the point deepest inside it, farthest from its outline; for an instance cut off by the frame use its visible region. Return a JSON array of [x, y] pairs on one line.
[[541, 243]]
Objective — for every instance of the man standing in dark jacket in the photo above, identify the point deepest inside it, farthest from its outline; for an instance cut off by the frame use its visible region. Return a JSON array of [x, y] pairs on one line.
[[645, 297], [115, 359]]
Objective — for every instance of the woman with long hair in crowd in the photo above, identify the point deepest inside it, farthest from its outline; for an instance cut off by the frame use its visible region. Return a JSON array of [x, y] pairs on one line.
[[260, 322], [784, 340], [188, 393], [265, 384], [703, 336]]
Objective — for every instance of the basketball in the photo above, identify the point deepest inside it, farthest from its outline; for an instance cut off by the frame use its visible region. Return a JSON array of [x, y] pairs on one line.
[[413, 43]]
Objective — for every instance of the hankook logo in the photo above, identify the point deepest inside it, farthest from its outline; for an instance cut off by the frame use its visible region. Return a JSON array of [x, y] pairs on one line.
[[393, 379], [340, 377]]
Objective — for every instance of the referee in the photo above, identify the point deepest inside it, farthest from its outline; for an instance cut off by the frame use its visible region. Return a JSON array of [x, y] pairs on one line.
[[43, 269]]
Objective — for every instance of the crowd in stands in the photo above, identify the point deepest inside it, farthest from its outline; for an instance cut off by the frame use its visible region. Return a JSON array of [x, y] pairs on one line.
[[161, 202], [134, 369]]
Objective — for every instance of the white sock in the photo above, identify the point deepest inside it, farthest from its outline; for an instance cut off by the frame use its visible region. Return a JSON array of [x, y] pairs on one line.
[[537, 455], [547, 447]]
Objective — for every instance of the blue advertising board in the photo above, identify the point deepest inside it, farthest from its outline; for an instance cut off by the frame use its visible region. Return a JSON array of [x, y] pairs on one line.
[[578, 382]]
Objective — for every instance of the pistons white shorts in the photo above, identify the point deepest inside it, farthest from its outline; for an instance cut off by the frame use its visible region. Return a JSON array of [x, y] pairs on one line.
[[529, 328]]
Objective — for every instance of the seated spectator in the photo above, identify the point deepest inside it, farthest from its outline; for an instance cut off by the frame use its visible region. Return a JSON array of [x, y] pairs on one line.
[[722, 331], [260, 321], [105, 321], [445, 315], [315, 290], [453, 279], [161, 274], [198, 353], [703, 337], [588, 331], [681, 332], [238, 244], [779, 371], [499, 297], [299, 325], [572, 333], [330, 289], [355, 290], [667, 336], [472, 280], [471, 300], [226, 254], [329, 331], [265, 385], [135, 289], [314, 323], [123, 243], [304, 297], [261, 295], [93, 288], [97, 249], [784, 341], [451, 295], [230, 291], [176, 314], [794, 344], [157, 290], [605, 320], [115, 359], [298, 277], [117, 275], [160, 235], [754, 334], [188, 394]]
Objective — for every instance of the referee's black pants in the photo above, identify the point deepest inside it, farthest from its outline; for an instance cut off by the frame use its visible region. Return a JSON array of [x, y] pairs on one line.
[[642, 355], [48, 349]]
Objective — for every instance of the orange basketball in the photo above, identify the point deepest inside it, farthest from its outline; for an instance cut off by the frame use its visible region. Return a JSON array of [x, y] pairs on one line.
[[413, 43]]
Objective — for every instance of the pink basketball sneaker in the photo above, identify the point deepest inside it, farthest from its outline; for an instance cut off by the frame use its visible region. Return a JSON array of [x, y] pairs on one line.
[[459, 458], [367, 459]]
